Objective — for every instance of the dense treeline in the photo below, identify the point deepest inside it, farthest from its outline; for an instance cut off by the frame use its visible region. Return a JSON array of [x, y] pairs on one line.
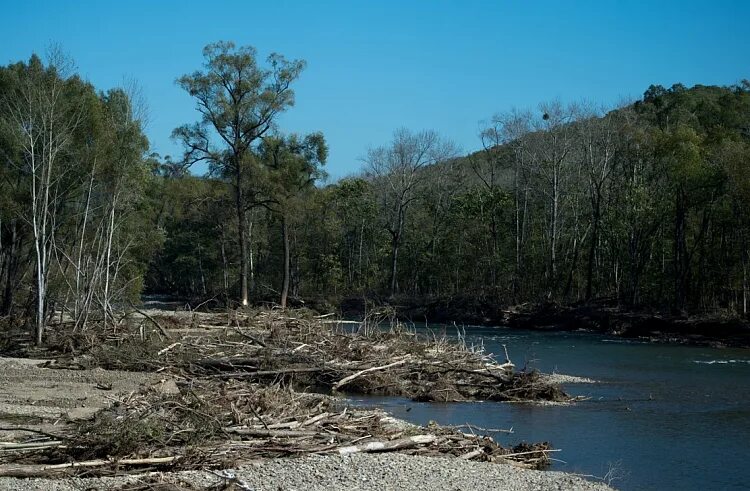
[[646, 204]]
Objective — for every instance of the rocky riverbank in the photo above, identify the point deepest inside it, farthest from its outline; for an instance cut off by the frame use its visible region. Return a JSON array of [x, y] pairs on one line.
[[187, 391], [323, 473]]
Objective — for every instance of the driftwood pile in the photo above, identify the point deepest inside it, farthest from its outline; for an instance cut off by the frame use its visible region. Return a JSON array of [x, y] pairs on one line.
[[259, 386], [326, 356], [214, 424]]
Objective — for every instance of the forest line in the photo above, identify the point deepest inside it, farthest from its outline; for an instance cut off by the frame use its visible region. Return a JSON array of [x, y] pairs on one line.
[[646, 204]]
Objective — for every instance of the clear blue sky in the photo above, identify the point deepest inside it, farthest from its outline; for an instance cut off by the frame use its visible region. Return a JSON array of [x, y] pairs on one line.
[[378, 65]]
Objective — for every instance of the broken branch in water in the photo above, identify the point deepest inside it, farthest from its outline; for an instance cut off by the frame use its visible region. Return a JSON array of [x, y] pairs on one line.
[[479, 428], [531, 452]]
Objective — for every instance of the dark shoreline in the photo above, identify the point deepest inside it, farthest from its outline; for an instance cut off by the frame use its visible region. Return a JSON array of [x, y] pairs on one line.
[[601, 317], [708, 329]]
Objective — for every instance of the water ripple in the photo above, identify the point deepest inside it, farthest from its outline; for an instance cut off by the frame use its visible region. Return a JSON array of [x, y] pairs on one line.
[[720, 362]]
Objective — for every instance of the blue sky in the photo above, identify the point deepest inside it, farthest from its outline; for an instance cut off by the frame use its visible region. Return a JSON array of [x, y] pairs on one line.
[[375, 66]]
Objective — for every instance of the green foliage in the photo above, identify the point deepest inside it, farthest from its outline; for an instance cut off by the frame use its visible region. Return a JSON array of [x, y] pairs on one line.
[[647, 204], [665, 181], [99, 234], [239, 102]]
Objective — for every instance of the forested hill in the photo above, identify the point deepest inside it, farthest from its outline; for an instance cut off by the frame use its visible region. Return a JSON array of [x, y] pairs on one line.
[[647, 205]]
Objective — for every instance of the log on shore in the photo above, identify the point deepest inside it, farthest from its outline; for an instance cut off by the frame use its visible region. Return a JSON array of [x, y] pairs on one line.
[[401, 444], [56, 470]]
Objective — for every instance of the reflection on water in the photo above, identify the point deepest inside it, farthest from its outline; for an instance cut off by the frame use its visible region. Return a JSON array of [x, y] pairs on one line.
[[673, 417]]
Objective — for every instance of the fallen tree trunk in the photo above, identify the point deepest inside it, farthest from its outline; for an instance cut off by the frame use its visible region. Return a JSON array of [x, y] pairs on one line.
[[270, 433], [265, 373], [530, 452], [472, 454], [30, 430], [10, 470], [403, 443], [29, 446]]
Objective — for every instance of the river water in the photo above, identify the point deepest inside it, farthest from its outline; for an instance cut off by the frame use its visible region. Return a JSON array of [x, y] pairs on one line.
[[665, 416]]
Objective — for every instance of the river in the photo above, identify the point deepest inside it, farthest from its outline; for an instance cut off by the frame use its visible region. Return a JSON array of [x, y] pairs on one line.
[[665, 416]]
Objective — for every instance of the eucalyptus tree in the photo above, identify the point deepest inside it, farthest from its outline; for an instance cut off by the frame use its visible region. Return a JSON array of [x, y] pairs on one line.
[[13, 235], [444, 182], [195, 216], [489, 167], [689, 131], [239, 101], [736, 156], [398, 171], [122, 174], [637, 215]]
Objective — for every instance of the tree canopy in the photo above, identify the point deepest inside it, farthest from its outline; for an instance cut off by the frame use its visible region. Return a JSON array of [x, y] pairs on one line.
[[645, 205]]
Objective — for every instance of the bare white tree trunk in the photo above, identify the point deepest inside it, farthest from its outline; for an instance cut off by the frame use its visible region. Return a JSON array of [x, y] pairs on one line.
[[79, 261], [106, 304]]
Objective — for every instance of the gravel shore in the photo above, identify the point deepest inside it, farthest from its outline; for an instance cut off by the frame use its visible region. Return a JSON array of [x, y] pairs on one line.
[[560, 378], [29, 393], [355, 472]]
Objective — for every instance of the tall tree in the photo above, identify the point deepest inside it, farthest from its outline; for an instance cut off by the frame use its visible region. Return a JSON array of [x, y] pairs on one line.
[[552, 144], [239, 102], [397, 169], [597, 139]]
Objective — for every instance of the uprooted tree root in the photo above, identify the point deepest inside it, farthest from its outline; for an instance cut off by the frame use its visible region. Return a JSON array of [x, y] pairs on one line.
[[251, 386]]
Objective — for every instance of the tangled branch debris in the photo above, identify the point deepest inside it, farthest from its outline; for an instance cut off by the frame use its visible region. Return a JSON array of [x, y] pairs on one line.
[[241, 387]]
